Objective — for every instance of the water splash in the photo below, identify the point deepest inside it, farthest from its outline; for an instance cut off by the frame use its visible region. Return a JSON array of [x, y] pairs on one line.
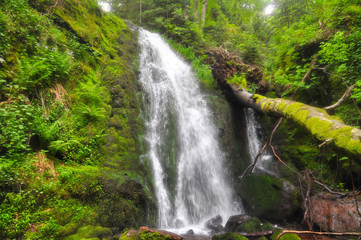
[[188, 164]]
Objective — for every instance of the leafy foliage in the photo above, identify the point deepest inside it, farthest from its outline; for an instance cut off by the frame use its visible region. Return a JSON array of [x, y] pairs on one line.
[[55, 119]]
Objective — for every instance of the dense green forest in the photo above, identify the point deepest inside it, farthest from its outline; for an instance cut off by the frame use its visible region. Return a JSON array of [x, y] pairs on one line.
[[71, 121], [308, 51]]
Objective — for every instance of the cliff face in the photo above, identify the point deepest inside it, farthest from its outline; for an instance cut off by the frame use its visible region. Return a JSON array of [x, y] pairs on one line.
[[70, 122]]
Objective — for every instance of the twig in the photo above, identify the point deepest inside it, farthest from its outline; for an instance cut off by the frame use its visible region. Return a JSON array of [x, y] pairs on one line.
[[327, 188], [7, 101], [319, 233], [307, 75], [325, 142], [307, 201], [52, 7], [256, 234]]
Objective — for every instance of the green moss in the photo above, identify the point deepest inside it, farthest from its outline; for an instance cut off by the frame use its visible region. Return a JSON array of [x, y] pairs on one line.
[[96, 232], [282, 105], [260, 193], [250, 226], [292, 109], [238, 80], [271, 94], [286, 236], [262, 238], [318, 127], [258, 98], [81, 182], [263, 196], [229, 236], [93, 124], [144, 235], [267, 227], [129, 235]]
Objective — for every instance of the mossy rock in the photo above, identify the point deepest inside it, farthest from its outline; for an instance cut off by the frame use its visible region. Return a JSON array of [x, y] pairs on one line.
[[269, 197], [267, 227], [91, 232], [250, 226], [81, 182], [229, 236], [286, 236], [262, 238], [129, 235], [144, 235]]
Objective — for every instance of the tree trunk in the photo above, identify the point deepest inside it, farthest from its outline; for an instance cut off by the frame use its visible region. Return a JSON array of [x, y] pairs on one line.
[[316, 120], [204, 11], [140, 11]]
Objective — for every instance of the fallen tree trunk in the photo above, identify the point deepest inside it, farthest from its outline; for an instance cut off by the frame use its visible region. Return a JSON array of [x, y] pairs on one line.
[[316, 120]]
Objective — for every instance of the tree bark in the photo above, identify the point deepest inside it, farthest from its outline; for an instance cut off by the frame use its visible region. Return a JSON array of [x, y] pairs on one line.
[[204, 11], [315, 120]]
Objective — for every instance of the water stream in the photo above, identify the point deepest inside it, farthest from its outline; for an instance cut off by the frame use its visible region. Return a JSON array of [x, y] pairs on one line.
[[190, 177], [264, 162]]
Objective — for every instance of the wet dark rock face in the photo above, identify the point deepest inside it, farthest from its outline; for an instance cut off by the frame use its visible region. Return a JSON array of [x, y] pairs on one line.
[[269, 197], [215, 224]]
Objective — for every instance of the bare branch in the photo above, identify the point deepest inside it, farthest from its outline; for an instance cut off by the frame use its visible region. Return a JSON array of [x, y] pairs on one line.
[[307, 75], [319, 233], [346, 95]]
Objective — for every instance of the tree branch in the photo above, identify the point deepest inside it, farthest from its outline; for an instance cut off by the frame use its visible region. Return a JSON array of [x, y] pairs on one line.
[[342, 99], [319, 233], [307, 75]]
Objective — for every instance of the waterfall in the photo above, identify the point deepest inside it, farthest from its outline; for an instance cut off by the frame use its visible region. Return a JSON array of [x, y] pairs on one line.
[[253, 131], [190, 177]]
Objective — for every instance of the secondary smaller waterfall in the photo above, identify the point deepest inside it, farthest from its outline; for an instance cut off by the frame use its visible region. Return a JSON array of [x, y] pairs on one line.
[[255, 145]]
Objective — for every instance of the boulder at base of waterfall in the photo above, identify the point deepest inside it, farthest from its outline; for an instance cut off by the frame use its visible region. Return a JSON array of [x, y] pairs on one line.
[[334, 214], [269, 197], [149, 233], [244, 224], [235, 221], [215, 224]]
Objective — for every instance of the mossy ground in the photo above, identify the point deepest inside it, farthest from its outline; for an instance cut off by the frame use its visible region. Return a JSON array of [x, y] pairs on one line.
[[69, 94]]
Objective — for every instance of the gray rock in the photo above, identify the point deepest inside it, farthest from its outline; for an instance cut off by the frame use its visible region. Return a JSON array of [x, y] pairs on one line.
[[215, 224], [235, 221]]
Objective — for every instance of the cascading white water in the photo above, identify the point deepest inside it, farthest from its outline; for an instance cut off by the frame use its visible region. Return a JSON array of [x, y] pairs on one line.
[[182, 141], [255, 145]]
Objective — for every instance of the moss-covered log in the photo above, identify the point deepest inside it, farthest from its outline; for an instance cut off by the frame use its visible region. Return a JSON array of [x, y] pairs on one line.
[[316, 120]]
